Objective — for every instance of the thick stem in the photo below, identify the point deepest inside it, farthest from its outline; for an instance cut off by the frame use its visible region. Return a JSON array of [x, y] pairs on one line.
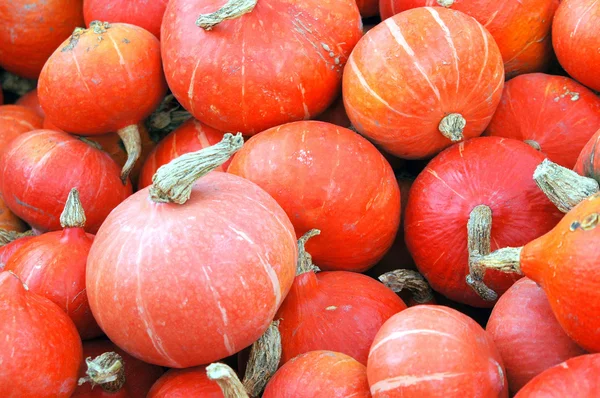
[[130, 136], [16, 84], [106, 370], [166, 118], [565, 188], [305, 263], [534, 144], [227, 379], [452, 127], [506, 260], [479, 232], [265, 355], [232, 10], [73, 215], [445, 3], [7, 236], [414, 282], [173, 182]]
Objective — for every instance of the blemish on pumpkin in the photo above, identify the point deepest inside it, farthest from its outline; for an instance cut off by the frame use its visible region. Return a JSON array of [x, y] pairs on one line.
[[331, 308], [125, 41]]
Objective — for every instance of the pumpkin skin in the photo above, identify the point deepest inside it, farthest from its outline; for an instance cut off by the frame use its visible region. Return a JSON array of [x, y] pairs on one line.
[[139, 376], [142, 13], [480, 171], [284, 60], [119, 80], [51, 163], [9, 249], [190, 382], [333, 180], [556, 112], [31, 100], [402, 111], [191, 136], [588, 162], [41, 350], [30, 32], [456, 358], [336, 114], [338, 311], [16, 120], [235, 277], [521, 29], [527, 334], [319, 374], [576, 38]]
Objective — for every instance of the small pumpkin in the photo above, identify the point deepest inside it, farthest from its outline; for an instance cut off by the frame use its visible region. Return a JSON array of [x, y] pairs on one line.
[[142, 13], [30, 100], [16, 120], [189, 382]]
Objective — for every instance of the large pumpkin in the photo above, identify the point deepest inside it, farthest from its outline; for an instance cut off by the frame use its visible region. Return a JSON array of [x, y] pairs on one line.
[[279, 62], [148, 273], [415, 93], [143, 13]]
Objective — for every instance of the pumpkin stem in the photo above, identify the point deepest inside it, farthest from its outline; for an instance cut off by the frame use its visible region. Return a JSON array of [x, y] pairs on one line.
[[167, 117], [227, 379], [231, 10], [132, 141], [506, 260], [173, 182], [452, 127], [534, 144], [414, 282], [445, 3], [73, 215], [305, 263], [564, 187], [265, 355], [7, 236], [106, 370], [479, 232], [91, 142], [16, 84]]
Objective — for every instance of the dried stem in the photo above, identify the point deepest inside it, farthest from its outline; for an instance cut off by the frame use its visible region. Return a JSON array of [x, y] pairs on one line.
[[479, 232], [231, 10], [414, 282], [305, 263], [445, 3], [73, 215], [7, 236], [227, 379], [265, 355], [169, 116], [534, 144], [130, 136], [452, 127], [106, 370], [506, 260]]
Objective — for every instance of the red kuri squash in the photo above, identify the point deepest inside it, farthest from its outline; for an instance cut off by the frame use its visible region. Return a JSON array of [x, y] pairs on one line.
[[143, 13], [41, 350], [16, 120], [39, 168], [553, 114], [434, 351], [10, 248], [283, 61], [588, 162], [104, 79], [30, 100], [415, 94], [190, 382]]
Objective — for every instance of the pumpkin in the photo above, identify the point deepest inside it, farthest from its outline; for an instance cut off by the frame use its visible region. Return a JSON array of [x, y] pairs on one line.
[[283, 60], [111, 74], [335, 114], [39, 168], [30, 32], [232, 281], [191, 136], [577, 377], [330, 178], [472, 198], [319, 374], [575, 37], [564, 263], [7, 250], [53, 265], [521, 29], [41, 350], [553, 114], [16, 120], [338, 311], [588, 162], [439, 88], [454, 356], [30, 100], [104, 360], [527, 335], [189, 382], [143, 13]]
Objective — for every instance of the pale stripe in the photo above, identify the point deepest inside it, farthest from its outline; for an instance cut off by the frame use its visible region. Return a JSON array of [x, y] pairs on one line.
[[485, 61], [407, 381], [121, 59], [302, 92], [433, 173], [404, 333], [436, 17], [191, 87], [583, 14], [491, 18], [202, 138]]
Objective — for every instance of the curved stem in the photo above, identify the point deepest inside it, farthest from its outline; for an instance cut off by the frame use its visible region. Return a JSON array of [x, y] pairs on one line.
[[173, 182], [414, 282], [479, 232], [265, 355], [452, 127], [227, 379], [231, 10], [7, 236], [73, 215], [91, 142], [565, 188], [534, 144], [507, 260], [305, 263], [133, 145], [445, 3], [166, 118], [106, 370]]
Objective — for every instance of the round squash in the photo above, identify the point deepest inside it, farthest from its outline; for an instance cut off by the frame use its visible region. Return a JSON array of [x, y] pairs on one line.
[[190, 382], [30, 100], [7, 250], [588, 162], [16, 120], [143, 13]]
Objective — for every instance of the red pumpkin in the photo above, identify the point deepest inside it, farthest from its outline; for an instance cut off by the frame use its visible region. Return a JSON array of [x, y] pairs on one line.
[[191, 136], [553, 114], [104, 79], [489, 171], [521, 29], [190, 382], [319, 374], [330, 178], [368, 8], [588, 162], [41, 350], [431, 350], [40, 167], [577, 377], [575, 37], [31, 101], [30, 32], [139, 376], [143, 13], [232, 281], [527, 334], [439, 88], [336, 114], [11, 248], [16, 120], [283, 60]]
